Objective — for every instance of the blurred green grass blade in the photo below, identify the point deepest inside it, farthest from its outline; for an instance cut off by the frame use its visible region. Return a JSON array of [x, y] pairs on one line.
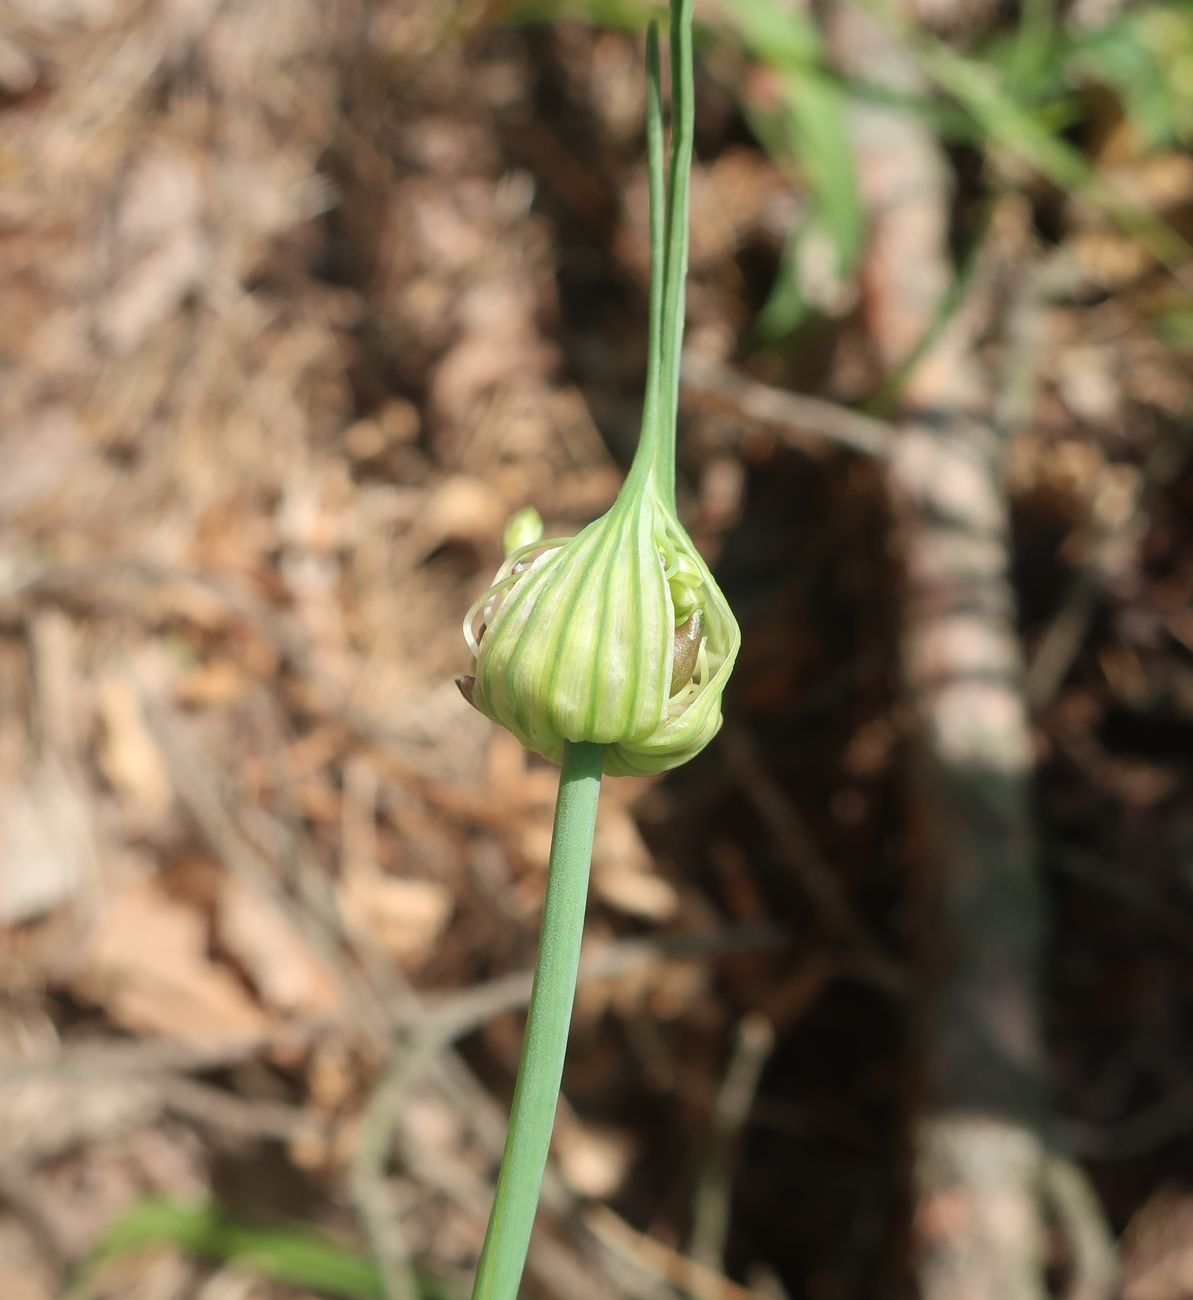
[[815, 131], [812, 131], [623, 14], [784, 38], [1146, 56], [1174, 324], [809, 131], [977, 87], [785, 307], [1034, 47], [293, 1254], [818, 123]]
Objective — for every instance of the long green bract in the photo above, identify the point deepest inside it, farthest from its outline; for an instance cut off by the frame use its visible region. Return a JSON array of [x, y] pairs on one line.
[[669, 201], [683, 127]]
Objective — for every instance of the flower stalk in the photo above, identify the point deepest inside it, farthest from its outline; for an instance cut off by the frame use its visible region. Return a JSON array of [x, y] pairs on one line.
[[607, 652], [540, 1071]]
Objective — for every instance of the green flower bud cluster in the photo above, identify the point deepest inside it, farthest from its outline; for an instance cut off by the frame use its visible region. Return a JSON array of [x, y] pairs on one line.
[[618, 635]]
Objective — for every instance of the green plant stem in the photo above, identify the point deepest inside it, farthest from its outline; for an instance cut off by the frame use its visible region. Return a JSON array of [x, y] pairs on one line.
[[646, 461], [683, 129], [536, 1094], [669, 203]]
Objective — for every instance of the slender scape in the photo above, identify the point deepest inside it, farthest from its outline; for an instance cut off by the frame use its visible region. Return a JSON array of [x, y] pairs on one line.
[[607, 652], [541, 1068]]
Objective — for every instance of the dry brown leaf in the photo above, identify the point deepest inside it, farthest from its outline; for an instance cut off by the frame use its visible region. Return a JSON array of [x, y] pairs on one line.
[[395, 425], [461, 509], [23, 1271], [218, 681], [161, 218], [438, 1126], [45, 1117], [128, 754], [594, 1160], [335, 1073], [623, 871], [1157, 1248], [401, 917], [148, 967], [288, 975], [46, 845], [515, 783], [636, 893], [39, 456]]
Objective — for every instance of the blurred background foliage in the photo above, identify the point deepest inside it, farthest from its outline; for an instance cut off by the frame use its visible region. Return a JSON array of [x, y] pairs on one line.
[[1048, 94]]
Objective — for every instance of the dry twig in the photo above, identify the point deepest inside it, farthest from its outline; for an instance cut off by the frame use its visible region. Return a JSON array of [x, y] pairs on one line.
[[795, 415]]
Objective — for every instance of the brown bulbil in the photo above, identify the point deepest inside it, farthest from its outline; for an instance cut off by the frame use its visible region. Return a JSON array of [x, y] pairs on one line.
[[687, 650]]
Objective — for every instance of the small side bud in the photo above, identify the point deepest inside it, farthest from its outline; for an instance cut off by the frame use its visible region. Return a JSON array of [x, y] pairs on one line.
[[524, 529]]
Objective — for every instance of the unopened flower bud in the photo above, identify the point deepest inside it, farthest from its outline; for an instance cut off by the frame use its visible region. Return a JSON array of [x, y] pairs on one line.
[[618, 635]]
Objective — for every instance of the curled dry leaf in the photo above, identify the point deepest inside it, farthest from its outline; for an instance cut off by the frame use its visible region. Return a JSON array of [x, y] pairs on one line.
[[149, 968], [461, 509], [46, 845], [401, 917], [129, 756], [22, 1272], [623, 873], [285, 971], [593, 1159]]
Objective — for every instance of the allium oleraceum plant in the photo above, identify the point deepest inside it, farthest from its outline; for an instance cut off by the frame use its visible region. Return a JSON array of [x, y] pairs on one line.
[[605, 652]]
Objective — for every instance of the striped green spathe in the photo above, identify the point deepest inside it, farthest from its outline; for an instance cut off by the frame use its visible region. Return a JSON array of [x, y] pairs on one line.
[[579, 640]]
